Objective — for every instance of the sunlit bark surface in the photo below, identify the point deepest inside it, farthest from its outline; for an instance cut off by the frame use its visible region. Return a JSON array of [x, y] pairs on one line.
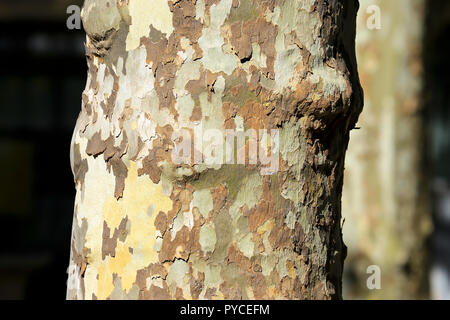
[[146, 227]]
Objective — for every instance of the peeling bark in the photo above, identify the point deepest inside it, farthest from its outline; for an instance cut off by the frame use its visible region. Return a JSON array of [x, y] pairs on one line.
[[146, 227]]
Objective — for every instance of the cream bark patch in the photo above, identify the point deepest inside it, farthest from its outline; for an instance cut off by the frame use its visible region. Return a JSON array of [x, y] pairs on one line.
[[145, 13]]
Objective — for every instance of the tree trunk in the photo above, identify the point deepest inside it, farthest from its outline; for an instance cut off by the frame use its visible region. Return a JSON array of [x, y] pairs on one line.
[[384, 201], [165, 209]]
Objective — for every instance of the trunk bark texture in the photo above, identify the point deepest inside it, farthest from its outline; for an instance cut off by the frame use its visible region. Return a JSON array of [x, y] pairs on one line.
[[147, 226]]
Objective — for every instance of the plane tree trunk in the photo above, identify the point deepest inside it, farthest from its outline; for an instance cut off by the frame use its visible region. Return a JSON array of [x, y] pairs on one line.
[[164, 74]]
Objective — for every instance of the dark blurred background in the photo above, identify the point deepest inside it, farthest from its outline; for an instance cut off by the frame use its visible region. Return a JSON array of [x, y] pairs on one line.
[[437, 115], [42, 75]]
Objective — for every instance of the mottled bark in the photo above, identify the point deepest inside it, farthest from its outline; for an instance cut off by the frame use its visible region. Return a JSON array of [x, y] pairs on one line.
[[384, 201], [146, 227]]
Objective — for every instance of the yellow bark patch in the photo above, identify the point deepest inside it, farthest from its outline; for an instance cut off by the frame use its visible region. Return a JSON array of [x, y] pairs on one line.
[[142, 200]]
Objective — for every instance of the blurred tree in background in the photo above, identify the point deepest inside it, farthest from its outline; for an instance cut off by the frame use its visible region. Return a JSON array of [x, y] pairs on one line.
[[385, 198]]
